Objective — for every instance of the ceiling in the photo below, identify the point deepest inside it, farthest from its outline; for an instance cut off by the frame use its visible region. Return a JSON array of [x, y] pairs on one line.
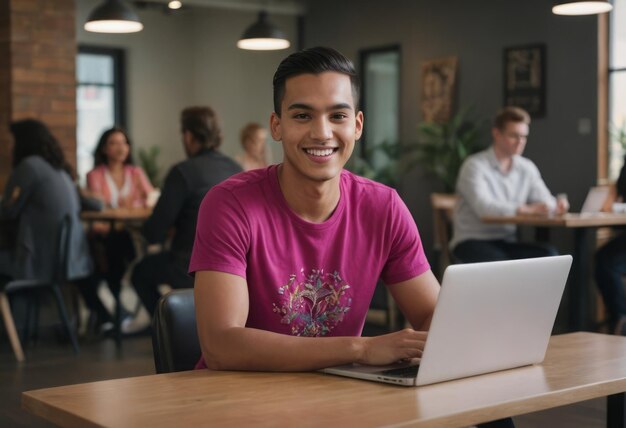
[[287, 7]]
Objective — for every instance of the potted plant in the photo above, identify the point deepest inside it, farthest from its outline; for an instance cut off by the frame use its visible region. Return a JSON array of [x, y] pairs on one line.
[[442, 147], [148, 161]]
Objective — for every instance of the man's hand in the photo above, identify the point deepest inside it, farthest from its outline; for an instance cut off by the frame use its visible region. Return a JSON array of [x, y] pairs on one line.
[[562, 205], [393, 347], [536, 208]]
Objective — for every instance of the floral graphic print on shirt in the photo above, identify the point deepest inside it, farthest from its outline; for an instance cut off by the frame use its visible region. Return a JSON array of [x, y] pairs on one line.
[[314, 304]]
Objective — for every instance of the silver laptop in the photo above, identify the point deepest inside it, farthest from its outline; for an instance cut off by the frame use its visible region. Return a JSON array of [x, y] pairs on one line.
[[596, 197], [489, 317]]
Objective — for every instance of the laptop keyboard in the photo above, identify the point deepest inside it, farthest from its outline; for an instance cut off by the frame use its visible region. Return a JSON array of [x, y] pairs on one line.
[[406, 372]]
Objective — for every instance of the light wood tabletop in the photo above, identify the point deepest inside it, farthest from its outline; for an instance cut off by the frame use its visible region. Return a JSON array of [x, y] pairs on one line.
[[568, 220], [578, 367], [117, 214]]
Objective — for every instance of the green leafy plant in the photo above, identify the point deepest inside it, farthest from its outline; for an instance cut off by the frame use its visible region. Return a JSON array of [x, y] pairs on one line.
[[442, 147], [148, 161], [387, 169]]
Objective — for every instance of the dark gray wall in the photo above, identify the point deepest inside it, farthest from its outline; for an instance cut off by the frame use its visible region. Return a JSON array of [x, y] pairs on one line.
[[477, 31]]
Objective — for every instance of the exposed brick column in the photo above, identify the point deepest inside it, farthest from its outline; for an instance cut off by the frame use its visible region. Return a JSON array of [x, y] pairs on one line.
[[5, 93], [41, 65]]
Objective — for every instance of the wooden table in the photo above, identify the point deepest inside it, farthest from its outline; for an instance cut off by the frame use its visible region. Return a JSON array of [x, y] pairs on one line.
[[124, 215], [580, 304], [578, 367]]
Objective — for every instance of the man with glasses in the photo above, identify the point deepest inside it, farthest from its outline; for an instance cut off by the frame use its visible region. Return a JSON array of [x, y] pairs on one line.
[[500, 182]]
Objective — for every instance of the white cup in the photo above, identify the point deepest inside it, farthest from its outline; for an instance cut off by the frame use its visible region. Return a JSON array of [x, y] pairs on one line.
[[619, 207]]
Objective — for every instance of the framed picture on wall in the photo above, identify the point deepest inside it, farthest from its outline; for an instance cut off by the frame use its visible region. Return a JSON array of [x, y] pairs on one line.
[[438, 87], [525, 78]]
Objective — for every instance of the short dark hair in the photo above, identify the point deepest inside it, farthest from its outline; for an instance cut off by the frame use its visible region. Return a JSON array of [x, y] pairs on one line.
[[100, 156], [313, 61], [510, 114], [32, 137], [203, 124]]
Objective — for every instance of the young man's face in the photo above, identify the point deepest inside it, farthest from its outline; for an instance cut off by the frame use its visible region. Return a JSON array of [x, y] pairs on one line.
[[511, 140], [318, 125]]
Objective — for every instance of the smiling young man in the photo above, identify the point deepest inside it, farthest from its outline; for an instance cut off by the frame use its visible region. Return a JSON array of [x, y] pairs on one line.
[[499, 181], [286, 258]]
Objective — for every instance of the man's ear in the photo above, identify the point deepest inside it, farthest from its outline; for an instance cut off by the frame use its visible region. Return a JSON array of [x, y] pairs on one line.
[[359, 125], [275, 127], [495, 133]]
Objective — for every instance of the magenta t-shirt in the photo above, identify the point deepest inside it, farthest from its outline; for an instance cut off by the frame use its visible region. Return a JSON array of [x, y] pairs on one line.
[[307, 279]]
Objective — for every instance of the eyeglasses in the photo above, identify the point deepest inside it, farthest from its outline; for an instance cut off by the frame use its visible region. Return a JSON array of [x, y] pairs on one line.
[[514, 136]]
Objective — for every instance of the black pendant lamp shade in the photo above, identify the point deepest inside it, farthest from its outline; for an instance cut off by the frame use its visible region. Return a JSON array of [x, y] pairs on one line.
[[581, 7], [263, 36], [113, 16]]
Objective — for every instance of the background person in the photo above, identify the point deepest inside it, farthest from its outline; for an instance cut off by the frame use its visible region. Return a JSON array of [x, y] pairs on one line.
[[114, 178], [500, 182], [610, 268], [253, 140], [119, 184], [38, 195], [177, 208]]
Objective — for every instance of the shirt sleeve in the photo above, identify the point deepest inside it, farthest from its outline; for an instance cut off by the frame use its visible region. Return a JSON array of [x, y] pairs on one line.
[[167, 208], [222, 235], [406, 257], [145, 187], [19, 189], [473, 186], [538, 190]]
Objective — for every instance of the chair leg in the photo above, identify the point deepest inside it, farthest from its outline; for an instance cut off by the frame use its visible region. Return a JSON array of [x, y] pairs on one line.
[[118, 319], [25, 339], [5, 308], [63, 313], [35, 334]]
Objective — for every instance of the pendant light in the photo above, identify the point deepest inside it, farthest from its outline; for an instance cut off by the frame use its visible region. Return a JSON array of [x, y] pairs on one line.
[[263, 36], [113, 16], [588, 7]]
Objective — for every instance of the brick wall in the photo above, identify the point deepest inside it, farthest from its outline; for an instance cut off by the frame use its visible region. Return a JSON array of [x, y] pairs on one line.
[[40, 70], [5, 90]]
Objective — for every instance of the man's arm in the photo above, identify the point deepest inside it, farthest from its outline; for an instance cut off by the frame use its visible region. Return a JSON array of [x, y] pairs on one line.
[[474, 187], [417, 298], [227, 344]]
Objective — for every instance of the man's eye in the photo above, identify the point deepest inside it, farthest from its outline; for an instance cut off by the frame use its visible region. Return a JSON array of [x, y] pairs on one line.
[[339, 116], [301, 116]]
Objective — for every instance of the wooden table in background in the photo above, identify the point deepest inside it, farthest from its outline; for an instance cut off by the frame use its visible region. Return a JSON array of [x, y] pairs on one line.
[[578, 367], [123, 215], [580, 304]]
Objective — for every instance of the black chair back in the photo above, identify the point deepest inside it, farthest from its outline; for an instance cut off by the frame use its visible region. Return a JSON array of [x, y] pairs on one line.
[[175, 342], [54, 284]]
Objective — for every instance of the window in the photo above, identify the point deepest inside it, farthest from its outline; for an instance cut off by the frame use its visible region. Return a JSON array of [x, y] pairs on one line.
[[99, 100], [380, 102], [617, 85]]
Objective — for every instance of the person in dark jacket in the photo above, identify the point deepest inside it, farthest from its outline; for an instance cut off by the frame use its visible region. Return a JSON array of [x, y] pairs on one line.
[[177, 208], [611, 267]]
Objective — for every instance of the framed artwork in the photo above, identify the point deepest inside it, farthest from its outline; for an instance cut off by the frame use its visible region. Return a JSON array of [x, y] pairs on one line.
[[525, 78], [438, 85]]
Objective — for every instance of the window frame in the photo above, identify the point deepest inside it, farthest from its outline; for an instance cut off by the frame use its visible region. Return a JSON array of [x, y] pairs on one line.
[[604, 92], [119, 80]]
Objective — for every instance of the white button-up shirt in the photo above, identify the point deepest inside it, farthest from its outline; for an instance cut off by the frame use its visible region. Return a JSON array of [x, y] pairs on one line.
[[484, 190]]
